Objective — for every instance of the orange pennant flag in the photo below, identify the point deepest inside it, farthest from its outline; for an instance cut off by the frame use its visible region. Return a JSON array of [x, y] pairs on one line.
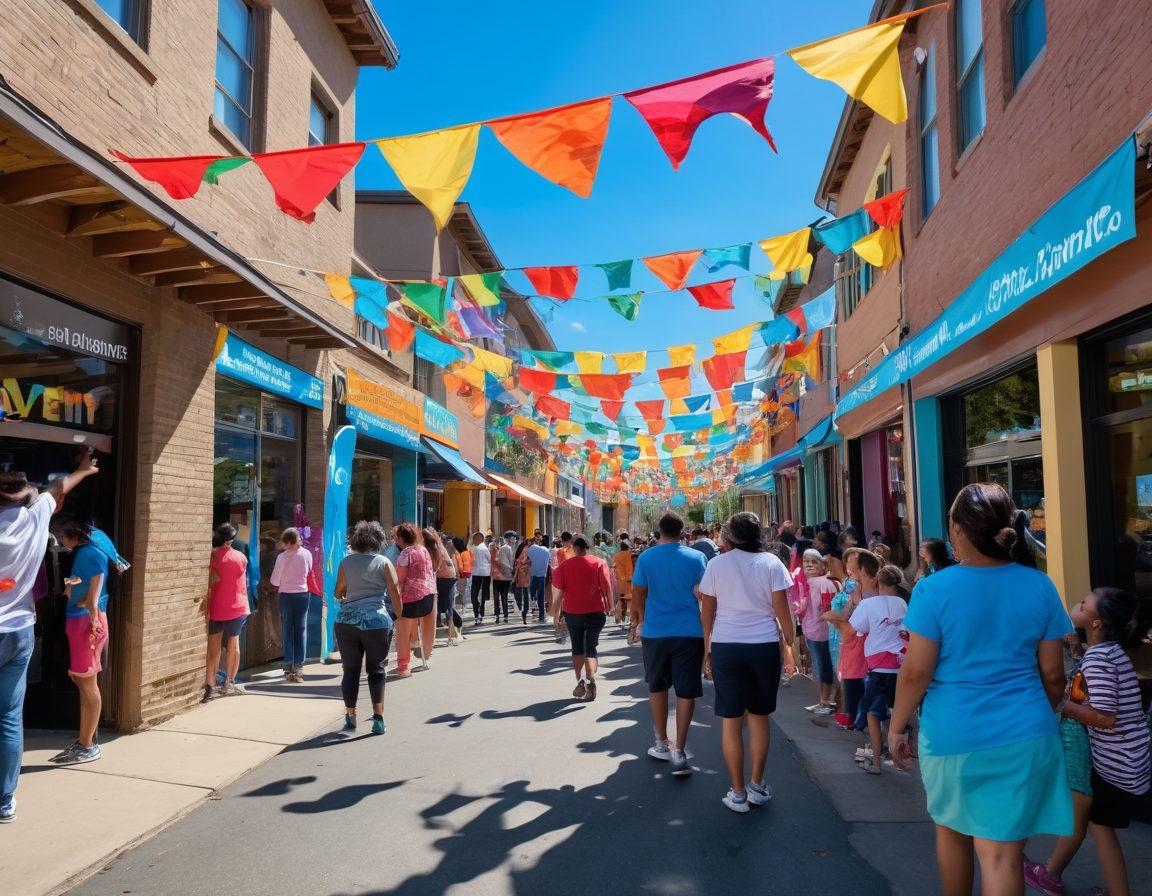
[[562, 144], [675, 381], [673, 269]]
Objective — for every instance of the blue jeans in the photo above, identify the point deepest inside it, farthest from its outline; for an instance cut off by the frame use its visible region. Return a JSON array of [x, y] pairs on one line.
[[15, 654], [294, 627], [539, 593]]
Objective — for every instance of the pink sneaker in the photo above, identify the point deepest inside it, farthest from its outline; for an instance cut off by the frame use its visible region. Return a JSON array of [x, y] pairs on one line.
[[1040, 879]]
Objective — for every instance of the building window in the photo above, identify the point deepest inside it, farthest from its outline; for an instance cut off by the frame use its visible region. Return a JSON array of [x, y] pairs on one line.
[[128, 14], [929, 139], [850, 287], [319, 122], [236, 68], [1029, 35], [970, 69], [425, 379]]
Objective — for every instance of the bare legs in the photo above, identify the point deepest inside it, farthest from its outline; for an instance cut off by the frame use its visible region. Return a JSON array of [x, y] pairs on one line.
[[684, 710], [213, 663], [732, 741], [1067, 847], [584, 666], [90, 704], [405, 629], [954, 856], [427, 634], [1111, 858], [232, 657], [1001, 864]]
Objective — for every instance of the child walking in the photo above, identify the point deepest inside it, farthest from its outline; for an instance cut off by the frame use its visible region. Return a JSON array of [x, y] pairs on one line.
[[815, 600]]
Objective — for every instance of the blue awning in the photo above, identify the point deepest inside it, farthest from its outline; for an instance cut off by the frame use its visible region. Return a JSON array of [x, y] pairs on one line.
[[821, 435], [770, 466], [452, 458]]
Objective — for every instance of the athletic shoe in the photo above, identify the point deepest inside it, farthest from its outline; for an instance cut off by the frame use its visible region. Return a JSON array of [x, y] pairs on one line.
[[403, 673], [1040, 879], [863, 754], [661, 751], [758, 794], [814, 707], [870, 766], [424, 663], [8, 813], [581, 690], [206, 693], [591, 693], [452, 642], [824, 711], [378, 726], [680, 764], [77, 755], [231, 689], [349, 722], [785, 681], [734, 802]]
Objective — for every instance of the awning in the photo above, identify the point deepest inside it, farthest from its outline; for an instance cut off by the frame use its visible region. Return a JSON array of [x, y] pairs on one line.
[[452, 458], [517, 489], [576, 502], [755, 477], [822, 435]]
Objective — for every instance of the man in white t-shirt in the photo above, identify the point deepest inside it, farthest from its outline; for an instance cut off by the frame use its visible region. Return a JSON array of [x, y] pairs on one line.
[[744, 606], [880, 619], [24, 517], [481, 576]]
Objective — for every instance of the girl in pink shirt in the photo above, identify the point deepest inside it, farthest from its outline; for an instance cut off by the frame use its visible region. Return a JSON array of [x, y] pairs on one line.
[[290, 578], [815, 600]]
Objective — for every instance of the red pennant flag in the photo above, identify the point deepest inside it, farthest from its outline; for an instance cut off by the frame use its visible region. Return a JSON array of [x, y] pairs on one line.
[[180, 177], [553, 408], [676, 381], [674, 110], [554, 282], [673, 268], [796, 315], [611, 409], [723, 371], [887, 210], [606, 385], [301, 178], [651, 410], [716, 296], [533, 380], [400, 333], [655, 427]]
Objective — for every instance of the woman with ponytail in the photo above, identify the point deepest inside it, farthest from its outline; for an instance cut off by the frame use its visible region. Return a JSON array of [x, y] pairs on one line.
[[985, 655]]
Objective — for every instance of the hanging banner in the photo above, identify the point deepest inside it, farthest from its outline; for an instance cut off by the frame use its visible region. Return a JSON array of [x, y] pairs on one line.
[[1095, 216], [440, 424], [335, 527], [244, 362], [384, 412]]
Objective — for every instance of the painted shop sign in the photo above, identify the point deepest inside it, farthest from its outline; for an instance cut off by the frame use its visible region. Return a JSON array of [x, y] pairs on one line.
[[242, 361]]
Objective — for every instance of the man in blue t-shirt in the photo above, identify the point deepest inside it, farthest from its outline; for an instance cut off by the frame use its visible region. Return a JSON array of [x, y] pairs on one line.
[[665, 602], [539, 556]]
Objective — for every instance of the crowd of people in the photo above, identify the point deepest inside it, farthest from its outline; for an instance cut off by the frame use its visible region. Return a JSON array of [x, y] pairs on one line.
[[1024, 719]]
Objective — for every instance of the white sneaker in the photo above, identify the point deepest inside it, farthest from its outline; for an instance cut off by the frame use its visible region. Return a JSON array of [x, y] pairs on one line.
[[786, 681], [736, 803], [814, 707], [662, 750], [8, 813], [680, 764], [758, 794], [863, 754], [824, 711]]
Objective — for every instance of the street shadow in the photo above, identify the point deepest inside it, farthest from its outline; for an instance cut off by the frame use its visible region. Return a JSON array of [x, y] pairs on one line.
[[341, 798], [452, 721], [538, 712], [329, 739], [281, 787]]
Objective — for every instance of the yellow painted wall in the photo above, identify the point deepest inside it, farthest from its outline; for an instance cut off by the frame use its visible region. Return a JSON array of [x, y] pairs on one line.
[[457, 505]]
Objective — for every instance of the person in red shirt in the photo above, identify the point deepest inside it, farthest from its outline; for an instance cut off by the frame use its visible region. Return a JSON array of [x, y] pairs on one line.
[[584, 594], [227, 607]]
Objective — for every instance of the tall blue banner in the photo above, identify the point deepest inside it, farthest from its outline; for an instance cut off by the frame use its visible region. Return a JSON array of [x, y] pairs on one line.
[[1094, 217], [336, 526]]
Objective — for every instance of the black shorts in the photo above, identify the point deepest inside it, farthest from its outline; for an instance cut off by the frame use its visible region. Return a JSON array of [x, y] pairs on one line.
[[585, 630], [418, 609], [1115, 807], [747, 677], [878, 700], [676, 663]]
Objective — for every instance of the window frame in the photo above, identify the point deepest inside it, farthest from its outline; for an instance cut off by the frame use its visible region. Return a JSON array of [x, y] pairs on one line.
[[969, 71], [318, 99], [1017, 77], [137, 30], [926, 128], [253, 63]]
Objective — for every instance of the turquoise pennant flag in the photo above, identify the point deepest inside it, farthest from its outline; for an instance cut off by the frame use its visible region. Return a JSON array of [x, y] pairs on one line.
[[740, 256], [619, 273]]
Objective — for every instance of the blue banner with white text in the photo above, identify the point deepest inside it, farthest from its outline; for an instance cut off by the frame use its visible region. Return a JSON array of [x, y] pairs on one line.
[[335, 532]]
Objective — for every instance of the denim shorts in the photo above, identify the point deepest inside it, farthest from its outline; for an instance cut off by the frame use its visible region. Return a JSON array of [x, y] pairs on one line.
[[230, 627]]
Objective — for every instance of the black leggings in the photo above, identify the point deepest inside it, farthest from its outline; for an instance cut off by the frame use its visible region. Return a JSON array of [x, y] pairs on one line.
[[500, 598], [481, 588], [358, 646]]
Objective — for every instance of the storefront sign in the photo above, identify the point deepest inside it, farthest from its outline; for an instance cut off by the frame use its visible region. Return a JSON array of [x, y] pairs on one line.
[[63, 325], [440, 424], [392, 414], [1096, 216], [32, 402], [244, 362]]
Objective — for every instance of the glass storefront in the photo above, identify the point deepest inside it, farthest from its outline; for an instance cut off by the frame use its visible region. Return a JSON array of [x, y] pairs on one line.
[[64, 380]]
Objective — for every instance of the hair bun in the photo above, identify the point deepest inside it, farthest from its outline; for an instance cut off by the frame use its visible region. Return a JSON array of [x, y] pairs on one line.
[[1006, 538]]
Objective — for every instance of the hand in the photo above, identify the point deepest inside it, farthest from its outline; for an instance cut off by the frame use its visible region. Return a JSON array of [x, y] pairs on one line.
[[88, 464], [708, 666], [901, 752], [96, 626]]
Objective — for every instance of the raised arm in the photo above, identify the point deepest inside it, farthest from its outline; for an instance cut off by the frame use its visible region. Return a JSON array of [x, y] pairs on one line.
[[61, 487]]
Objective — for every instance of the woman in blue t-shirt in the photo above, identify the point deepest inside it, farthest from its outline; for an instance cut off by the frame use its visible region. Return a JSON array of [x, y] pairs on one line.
[[986, 657]]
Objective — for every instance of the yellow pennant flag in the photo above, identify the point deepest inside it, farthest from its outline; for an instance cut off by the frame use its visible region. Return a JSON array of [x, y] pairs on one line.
[[736, 341], [680, 355], [788, 251], [631, 362], [472, 375], [531, 425], [677, 406], [865, 63], [589, 362], [340, 289], [434, 167], [480, 287], [492, 362], [567, 428], [647, 444], [879, 248]]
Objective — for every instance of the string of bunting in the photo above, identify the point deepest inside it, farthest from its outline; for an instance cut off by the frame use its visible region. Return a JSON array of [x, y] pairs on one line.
[[562, 144]]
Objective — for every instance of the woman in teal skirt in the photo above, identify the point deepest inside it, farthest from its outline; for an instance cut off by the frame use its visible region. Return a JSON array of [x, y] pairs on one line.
[[985, 655]]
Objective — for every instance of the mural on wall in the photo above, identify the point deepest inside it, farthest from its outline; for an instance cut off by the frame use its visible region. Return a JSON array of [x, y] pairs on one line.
[[514, 452]]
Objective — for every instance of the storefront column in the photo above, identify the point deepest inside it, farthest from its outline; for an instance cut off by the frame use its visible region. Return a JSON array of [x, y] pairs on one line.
[[1062, 448], [929, 469], [531, 520], [404, 487], [457, 508]]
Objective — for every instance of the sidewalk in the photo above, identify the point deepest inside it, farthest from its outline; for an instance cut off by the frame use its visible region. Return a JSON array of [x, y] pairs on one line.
[[890, 825], [73, 820]]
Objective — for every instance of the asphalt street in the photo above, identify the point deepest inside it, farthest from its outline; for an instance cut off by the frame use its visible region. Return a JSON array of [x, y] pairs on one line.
[[493, 780]]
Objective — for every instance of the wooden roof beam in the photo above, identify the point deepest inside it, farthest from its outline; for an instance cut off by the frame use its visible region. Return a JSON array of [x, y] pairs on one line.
[[138, 242], [166, 262], [114, 217], [192, 277], [218, 292], [47, 183], [276, 313]]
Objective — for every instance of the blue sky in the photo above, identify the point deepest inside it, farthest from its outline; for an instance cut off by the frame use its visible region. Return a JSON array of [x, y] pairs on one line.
[[465, 61]]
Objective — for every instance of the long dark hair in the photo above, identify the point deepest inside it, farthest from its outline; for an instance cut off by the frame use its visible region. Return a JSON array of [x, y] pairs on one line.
[[71, 526], [938, 555], [1126, 618], [223, 534], [743, 532], [984, 512]]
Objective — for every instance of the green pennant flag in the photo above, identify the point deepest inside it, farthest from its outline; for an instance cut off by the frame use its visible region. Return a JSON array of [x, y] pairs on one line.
[[427, 298], [552, 360], [627, 305], [619, 273], [223, 166], [627, 434], [597, 429], [484, 288]]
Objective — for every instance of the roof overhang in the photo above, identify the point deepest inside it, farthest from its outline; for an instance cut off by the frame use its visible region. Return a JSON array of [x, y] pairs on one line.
[[364, 33], [517, 489], [131, 228]]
